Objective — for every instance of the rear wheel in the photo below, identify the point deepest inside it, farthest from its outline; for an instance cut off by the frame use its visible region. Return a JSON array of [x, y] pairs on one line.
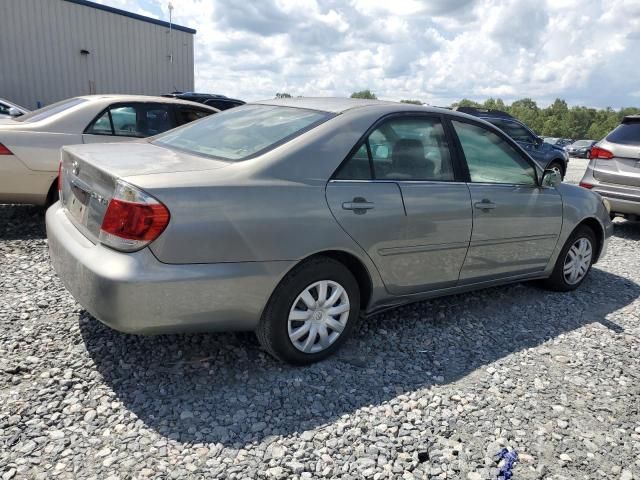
[[574, 262], [311, 313]]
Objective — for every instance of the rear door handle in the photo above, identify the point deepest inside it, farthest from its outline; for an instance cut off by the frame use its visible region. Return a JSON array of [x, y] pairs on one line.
[[358, 203], [485, 205]]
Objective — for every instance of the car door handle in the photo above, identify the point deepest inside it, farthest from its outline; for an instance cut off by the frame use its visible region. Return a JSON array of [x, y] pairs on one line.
[[485, 205], [358, 203]]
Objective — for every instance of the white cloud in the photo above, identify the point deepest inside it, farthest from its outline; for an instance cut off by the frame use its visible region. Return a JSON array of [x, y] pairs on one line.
[[439, 51]]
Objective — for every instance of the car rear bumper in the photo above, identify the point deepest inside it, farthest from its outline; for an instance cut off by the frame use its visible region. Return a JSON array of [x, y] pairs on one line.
[[135, 293], [623, 199]]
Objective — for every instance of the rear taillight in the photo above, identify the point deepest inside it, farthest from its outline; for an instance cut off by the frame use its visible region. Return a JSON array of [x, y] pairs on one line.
[[133, 219], [600, 154], [4, 150], [586, 185]]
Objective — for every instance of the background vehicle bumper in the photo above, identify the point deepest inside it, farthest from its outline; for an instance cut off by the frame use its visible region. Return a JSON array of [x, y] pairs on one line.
[[135, 293]]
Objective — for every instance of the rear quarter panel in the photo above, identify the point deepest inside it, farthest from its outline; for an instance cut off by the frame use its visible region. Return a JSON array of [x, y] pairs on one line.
[[38, 150]]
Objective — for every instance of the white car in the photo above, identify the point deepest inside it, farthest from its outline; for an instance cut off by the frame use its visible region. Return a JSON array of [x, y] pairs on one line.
[[30, 144], [10, 110]]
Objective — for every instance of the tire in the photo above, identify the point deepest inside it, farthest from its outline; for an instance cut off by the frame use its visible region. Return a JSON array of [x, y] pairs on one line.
[[560, 281], [284, 317], [555, 165], [53, 195]]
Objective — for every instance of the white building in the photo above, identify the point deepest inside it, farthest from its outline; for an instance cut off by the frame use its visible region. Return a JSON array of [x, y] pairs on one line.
[[56, 49]]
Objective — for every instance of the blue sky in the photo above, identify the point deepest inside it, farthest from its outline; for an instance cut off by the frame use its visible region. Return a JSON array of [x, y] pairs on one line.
[[438, 51]]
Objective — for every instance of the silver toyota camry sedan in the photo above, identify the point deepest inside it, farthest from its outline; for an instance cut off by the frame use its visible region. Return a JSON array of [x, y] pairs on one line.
[[295, 217]]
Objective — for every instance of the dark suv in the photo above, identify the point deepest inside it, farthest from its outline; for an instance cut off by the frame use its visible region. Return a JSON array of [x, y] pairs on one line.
[[216, 101], [546, 155]]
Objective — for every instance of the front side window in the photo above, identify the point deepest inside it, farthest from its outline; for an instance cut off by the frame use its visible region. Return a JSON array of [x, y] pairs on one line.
[[407, 148], [514, 130], [243, 132], [491, 159], [188, 115]]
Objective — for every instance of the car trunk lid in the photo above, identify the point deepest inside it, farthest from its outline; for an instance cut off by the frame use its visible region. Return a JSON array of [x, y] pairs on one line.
[[89, 174]]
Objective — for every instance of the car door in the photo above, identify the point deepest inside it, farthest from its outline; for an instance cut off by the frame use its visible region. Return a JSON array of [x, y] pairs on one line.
[[516, 222], [397, 196]]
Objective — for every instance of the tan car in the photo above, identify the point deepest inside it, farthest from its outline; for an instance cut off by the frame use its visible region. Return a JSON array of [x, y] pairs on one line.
[[30, 144]]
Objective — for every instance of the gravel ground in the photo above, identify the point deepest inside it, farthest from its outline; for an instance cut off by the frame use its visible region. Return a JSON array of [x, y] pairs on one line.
[[432, 390]]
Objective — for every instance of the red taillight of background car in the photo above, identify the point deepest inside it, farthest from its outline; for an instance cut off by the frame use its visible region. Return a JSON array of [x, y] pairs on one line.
[[586, 185], [4, 150], [133, 219], [600, 154]]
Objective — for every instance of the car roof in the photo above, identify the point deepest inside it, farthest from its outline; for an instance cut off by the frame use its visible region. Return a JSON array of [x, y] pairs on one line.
[[340, 105], [141, 98]]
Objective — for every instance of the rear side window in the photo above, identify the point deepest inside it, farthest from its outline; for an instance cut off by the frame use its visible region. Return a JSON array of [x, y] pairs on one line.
[[134, 120], [625, 134], [243, 132], [409, 148]]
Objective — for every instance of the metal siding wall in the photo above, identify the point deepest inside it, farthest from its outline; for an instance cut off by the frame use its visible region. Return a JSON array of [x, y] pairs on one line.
[[40, 43]]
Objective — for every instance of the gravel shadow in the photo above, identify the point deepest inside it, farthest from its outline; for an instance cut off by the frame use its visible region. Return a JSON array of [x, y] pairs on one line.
[[21, 222], [223, 388]]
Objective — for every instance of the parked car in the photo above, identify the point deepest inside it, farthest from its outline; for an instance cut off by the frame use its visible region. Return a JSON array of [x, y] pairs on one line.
[[546, 155], [292, 217], [11, 110], [614, 168], [30, 144], [217, 101], [580, 148]]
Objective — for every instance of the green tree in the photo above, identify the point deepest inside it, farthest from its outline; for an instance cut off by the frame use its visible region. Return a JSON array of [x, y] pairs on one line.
[[465, 102], [283, 95], [368, 94], [414, 102]]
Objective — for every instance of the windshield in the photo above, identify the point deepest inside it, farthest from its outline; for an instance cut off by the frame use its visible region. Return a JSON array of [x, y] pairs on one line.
[[242, 132], [49, 110], [583, 143]]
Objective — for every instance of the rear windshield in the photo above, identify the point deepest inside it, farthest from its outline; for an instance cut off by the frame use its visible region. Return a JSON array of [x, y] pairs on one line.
[[625, 134], [242, 132], [49, 110]]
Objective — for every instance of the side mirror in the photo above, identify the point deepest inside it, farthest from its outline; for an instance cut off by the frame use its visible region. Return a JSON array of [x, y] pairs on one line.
[[14, 112], [551, 178], [539, 141]]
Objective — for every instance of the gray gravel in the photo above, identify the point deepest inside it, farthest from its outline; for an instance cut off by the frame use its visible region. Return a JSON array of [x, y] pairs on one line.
[[432, 390]]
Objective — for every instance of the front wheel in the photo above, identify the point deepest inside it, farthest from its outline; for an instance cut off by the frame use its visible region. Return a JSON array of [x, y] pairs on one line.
[[574, 262], [311, 313], [556, 167]]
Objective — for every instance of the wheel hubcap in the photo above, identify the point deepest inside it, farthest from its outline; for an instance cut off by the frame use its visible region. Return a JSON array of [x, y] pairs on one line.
[[318, 316], [578, 261]]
